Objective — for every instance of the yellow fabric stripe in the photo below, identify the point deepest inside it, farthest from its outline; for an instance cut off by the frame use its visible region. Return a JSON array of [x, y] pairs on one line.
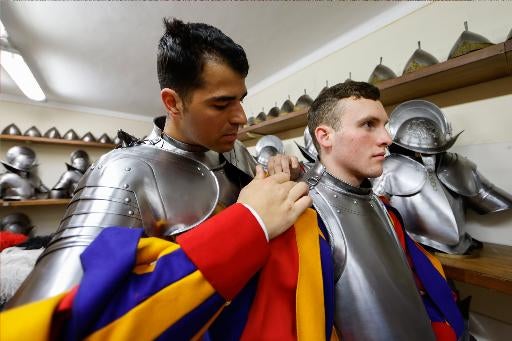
[[148, 250], [435, 262], [153, 316], [14, 326], [310, 291]]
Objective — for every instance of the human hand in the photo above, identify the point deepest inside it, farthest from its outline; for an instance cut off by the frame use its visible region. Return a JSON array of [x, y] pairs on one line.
[[276, 199], [281, 163]]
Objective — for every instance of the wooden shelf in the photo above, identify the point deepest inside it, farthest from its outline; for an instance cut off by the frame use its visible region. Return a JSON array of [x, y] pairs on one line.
[[34, 202], [490, 63], [491, 269], [29, 139]]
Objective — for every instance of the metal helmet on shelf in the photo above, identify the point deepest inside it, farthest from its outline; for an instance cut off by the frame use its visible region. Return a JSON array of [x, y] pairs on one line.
[[421, 126], [419, 59], [261, 116], [52, 133], [381, 73], [79, 160], [32, 132], [71, 135], [20, 158], [16, 223], [11, 129], [303, 102], [274, 111], [105, 139], [88, 137], [286, 107], [467, 42]]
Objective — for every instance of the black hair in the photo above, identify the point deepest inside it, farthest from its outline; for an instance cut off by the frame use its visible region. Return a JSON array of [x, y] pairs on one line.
[[323, 109], [184, 49]]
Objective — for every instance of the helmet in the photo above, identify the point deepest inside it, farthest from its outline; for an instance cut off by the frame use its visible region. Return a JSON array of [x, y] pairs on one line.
[[273, 112], [268, 146], [421, 126], [419, 59], [79, 161], [304, 102], [52, 133], [287, 107], [104, 139], [89, 137], [11, 129], [16, 223], [32, 132], [71, 135], [468, 41], [381, 73], [20, 158]]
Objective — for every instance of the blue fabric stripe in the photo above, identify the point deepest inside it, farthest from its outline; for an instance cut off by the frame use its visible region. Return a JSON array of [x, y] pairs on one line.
[[328, 279], [436, 287], [190, 324], [106, 263], [230, 325], [169, 269]]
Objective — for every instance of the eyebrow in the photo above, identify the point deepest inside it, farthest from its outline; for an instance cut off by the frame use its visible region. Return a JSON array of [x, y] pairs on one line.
[[371, 118], [226, 98]]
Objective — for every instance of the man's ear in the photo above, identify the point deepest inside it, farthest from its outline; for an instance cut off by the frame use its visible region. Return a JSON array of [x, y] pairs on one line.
[[324, 136], [172, 102]]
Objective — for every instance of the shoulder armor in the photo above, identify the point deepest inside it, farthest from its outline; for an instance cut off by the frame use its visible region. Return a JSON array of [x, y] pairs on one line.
[[401, 176], [240, 157], [458, 174], [15, 187], [165, 192]]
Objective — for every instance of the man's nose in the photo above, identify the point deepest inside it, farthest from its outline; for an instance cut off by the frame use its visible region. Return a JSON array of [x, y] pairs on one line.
[[238, 116]]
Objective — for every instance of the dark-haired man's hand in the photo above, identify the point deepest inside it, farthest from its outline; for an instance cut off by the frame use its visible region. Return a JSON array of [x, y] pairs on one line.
[[281, 163]]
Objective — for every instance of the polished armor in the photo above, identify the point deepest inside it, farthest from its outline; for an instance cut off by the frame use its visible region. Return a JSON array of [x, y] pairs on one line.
[[430, 187], [160, 184], [375, 293], [68, 181]]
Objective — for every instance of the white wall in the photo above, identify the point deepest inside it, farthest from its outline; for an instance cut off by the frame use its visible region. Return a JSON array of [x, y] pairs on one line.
[[51, 158]]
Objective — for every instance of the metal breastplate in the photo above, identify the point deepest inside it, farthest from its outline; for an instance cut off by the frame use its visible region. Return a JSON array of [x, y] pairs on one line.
[[164, 186], [15, 187], [434, 216], [375, 293]]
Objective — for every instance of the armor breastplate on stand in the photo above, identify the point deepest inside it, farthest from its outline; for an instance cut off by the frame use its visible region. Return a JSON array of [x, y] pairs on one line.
[[162, 185], [375, 293]]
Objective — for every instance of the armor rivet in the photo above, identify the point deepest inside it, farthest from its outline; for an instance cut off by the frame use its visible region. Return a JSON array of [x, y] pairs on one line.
[[92, 167], [127, 169], [130, 212], [99, 166], [202, 174], [335, 195], [125, 186], [127, 200], [198, 168], [338, 211], [355, 202]]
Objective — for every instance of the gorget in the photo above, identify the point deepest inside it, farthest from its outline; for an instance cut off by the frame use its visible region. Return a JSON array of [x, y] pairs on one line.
[[376, 297]]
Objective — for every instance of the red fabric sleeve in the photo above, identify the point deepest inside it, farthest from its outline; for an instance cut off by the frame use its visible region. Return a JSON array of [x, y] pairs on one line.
[[228, 249]]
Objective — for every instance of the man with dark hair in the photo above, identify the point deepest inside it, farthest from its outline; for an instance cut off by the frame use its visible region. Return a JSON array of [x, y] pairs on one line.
[[386, 286], [172, 183]]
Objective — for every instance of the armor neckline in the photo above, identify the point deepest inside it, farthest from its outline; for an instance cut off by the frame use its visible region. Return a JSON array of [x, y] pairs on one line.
[[336, 184]]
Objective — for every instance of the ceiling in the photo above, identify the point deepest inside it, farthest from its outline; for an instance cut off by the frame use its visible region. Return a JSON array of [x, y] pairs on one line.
[[102, 55]]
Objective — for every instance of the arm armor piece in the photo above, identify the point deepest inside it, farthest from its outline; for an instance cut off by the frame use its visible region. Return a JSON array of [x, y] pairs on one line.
[[401, 176], [461, 176]]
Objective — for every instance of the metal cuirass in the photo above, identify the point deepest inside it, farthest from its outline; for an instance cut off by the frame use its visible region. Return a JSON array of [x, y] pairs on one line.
[[375, 293], [160, 184], [15, 187]]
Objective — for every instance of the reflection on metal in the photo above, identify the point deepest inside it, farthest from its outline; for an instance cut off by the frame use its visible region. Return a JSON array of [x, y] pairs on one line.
[[71, 135], [268, 146], [251, 121], [52, 133], [20, 158], [419, 59], [11, 129], [381, 73], [467, 42], [16, 223], [304, 102], [32, 132]]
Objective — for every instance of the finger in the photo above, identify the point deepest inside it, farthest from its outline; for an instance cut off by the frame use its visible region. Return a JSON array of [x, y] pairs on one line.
[[285, 165], [260, 173], [301, 205], [280, 177], [277, 164], [270, 166], [298, 190], [295, 162]]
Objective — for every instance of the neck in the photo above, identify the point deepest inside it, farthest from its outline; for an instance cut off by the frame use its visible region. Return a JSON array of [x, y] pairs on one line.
[[342, 174]]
